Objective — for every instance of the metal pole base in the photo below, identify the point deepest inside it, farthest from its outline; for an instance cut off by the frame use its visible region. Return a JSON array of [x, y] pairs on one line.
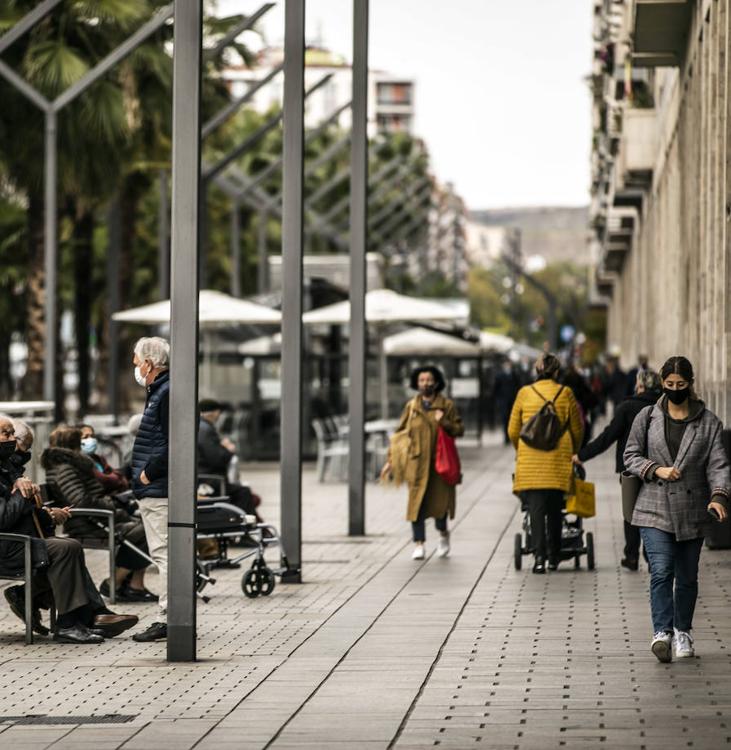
[[181, 643], [293, 575]]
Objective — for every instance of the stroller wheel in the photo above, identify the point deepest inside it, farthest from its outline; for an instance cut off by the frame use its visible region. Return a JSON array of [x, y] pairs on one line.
[[518, 552], [590, 550]]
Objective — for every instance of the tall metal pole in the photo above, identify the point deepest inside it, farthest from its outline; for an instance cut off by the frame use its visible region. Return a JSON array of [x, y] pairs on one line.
[[163, 236], [262, 276], [358, 246], [236, 249], [292, 273], [181, 644], [114, 230], [51, 259]]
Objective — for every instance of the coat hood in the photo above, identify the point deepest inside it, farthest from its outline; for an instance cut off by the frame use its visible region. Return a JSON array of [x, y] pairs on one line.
[[696, 407], [52, 457]]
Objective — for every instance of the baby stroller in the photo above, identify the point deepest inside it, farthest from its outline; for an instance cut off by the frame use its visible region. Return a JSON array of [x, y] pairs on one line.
[[572, 539], [224, 523]]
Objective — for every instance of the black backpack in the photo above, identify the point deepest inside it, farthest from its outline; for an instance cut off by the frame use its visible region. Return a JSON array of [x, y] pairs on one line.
[[544, 430]]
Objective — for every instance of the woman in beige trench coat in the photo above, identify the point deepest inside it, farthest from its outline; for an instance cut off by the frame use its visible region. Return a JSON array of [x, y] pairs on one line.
[[429, 495]]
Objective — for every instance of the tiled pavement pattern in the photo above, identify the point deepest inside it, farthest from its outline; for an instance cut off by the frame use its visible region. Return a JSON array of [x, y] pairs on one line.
[[376, 651]]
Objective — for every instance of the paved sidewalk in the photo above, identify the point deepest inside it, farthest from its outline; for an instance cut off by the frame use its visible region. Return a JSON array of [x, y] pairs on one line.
[[377, 651]]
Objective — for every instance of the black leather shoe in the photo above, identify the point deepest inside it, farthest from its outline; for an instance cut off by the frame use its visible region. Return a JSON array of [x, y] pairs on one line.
[[15, 597], [112, 625], [77, 634], [539, 566], [158, 631], [630, 563], [128, 594], [553, 563]]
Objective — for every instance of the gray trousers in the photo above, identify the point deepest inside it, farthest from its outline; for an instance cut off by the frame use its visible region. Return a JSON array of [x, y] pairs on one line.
[[65, 577]]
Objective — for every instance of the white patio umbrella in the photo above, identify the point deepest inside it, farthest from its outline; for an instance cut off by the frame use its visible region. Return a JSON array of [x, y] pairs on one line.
[[216, 310], [423, 342], [495, 343], [384, 307]]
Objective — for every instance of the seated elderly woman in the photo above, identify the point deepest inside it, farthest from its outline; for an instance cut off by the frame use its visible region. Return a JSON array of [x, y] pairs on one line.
[[112, 480], [72, 474], [60, 574]]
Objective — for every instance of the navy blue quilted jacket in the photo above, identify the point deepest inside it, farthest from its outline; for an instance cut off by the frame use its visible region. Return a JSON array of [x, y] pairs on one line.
[[150, 452]]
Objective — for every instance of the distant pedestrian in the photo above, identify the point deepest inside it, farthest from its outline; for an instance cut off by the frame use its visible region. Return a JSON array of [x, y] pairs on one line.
[[507, 385], [585, 397], [429, 495], [675, 447], [642, 365], [616, 382], [150, 465], [543, 477], [647, 392]]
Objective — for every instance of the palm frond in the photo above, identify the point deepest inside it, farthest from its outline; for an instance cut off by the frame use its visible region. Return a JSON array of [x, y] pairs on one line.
[[53, 66]]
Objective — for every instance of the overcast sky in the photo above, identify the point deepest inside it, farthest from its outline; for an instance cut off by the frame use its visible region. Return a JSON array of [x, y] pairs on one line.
[[500, 96]]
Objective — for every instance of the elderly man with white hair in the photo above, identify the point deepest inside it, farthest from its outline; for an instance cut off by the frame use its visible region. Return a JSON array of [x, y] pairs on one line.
[[150, 464]]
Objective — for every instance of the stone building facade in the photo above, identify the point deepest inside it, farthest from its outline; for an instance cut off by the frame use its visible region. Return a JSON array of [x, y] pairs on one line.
[[662, 187]]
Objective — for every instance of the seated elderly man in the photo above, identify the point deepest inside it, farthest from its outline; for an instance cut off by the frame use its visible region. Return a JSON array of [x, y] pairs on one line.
[[59, 563], [215, 454]]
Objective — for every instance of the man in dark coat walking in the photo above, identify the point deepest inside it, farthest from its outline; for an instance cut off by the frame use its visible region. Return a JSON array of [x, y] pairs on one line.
[[647, 392]]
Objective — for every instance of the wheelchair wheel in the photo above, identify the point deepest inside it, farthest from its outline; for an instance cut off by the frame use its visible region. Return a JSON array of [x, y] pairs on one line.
[[590, 550], [257, 581], [518, 552]]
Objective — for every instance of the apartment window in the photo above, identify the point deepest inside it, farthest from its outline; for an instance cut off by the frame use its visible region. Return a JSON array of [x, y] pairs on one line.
[[394, 93]]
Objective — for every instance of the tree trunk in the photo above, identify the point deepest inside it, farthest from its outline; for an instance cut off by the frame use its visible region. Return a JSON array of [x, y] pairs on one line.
[[32, 386]]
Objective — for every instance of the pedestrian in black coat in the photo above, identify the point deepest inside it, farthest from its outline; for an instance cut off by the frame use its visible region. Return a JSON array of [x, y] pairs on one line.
[[647, 392]]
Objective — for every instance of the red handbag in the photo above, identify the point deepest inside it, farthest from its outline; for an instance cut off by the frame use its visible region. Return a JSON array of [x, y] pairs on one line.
[[447, 463]]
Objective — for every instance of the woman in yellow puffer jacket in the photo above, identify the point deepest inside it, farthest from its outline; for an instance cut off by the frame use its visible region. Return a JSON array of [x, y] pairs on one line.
[[542, 478]]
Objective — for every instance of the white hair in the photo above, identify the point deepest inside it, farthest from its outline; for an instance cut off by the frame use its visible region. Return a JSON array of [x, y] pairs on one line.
[[23, 432], [155, 349]]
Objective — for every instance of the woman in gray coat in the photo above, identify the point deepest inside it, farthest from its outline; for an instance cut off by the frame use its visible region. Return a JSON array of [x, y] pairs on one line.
[[675, 448]]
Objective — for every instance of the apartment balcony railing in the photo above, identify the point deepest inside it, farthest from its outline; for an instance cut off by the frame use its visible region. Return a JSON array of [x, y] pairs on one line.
[[660, 32]]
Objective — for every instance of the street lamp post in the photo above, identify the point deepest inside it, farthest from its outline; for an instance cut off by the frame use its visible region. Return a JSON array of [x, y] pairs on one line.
[[358, 246], [292, 277], [183, 429]]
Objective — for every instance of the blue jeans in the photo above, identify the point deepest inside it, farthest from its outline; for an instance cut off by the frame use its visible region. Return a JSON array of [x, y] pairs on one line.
[[672, 562]]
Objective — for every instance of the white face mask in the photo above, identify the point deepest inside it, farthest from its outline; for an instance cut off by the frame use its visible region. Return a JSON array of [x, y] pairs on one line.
[[140, 378]]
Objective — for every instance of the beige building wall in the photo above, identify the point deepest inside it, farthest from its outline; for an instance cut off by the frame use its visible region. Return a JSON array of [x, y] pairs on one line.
[[672, 294]]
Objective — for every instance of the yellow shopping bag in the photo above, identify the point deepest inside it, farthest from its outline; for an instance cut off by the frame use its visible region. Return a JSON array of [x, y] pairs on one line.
[[583, 502]]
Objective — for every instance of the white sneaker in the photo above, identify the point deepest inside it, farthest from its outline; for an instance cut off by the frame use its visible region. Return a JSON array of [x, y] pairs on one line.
[[683, 645], [443, 547], [419, 552], [662, 646]]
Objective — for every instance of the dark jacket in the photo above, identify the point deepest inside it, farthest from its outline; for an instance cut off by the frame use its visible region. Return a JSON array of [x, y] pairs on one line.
[[678, 507], [618, 429], [150, 452], [16, 517], [213, 458], [73, 478]]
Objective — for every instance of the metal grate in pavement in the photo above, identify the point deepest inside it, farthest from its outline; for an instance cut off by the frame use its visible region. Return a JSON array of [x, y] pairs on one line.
[[45, 719]]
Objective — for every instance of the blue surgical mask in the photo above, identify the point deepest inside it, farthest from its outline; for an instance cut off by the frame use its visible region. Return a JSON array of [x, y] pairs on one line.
[[89, 445]]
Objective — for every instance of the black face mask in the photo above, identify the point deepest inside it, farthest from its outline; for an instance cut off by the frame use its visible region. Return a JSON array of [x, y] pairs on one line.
[[428, 390], [7, 448], [677, 397]]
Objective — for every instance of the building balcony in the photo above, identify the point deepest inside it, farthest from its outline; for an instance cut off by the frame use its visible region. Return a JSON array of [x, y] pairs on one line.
[[660, 32], [618, 238], [635, 161]]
